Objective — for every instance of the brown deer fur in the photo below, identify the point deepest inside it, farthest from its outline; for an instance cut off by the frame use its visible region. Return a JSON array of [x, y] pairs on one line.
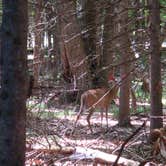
[[97, 99]]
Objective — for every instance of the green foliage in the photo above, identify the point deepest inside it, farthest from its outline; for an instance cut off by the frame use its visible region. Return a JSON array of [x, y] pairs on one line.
[[34, 105], [114, 110], [40, 110], [52, 114]]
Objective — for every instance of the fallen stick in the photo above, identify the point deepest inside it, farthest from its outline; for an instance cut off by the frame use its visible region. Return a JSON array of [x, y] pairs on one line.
[[126, 141], [100, 157]]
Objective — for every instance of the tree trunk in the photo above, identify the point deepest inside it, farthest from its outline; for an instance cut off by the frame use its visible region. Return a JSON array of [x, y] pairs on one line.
[[108, 33], [56, 52], [14, 83], [71, 46], [38, 41], [90, 39], [155, 66], [124, 114]]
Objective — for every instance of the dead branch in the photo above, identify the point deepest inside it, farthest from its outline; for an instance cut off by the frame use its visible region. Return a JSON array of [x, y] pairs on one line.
[[126, 141], [58, 150], [100, 157]]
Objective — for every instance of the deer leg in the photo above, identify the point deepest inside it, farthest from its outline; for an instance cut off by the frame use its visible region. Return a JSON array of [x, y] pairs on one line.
[[88, 119], [106, 116], [101, 114], [77, 118]]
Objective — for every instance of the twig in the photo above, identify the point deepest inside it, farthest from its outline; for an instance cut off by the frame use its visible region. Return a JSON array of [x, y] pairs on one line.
[[126, 141]]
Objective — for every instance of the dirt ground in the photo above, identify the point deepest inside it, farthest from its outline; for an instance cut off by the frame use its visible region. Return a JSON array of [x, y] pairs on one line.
[[45, 135]]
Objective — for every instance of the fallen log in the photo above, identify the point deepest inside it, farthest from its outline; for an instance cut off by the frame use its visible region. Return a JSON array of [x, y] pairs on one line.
[[100, 157], [83, 153]]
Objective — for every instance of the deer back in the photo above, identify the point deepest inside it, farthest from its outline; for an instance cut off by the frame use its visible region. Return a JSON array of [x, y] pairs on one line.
[[113, 92], [96, 98]]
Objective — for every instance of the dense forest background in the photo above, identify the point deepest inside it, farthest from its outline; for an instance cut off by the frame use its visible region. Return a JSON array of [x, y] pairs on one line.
[[71, 46], [75, 45]]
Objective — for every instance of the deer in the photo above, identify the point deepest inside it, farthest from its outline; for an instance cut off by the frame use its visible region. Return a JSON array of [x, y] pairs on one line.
[[99, 98]]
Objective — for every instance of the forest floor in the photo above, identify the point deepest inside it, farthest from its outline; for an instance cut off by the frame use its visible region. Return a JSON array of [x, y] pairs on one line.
[[50, 140]]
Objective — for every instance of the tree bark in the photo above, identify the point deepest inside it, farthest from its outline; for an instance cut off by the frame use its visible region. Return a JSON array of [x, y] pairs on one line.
[[124, 109], [38, 42], [155, 66], [14, 83], [108, 33], [90, 40], [71, 46]]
